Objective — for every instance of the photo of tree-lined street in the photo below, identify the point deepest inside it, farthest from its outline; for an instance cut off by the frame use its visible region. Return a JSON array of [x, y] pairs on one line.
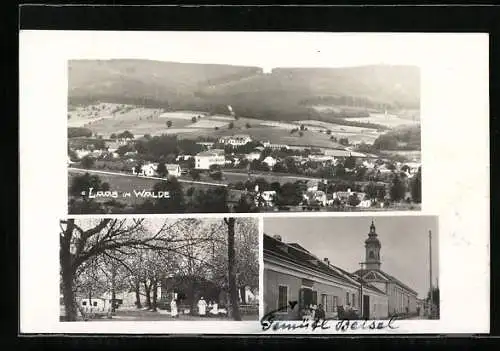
[[152, 269], [150, 136]]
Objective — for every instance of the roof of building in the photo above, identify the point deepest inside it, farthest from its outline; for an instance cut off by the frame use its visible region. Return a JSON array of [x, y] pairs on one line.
[[362, 272], [210, 153], [299, 255], [172, 166]]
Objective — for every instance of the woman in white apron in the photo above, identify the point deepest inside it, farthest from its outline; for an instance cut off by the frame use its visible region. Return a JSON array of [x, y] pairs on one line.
[[202, 307], [173, 308]]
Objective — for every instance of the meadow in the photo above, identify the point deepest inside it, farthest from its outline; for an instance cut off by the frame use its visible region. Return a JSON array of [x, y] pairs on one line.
[[391, 121]]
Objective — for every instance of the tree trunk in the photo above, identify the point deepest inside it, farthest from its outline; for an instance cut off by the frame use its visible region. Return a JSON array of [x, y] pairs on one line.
[[155, 295], [194, 298], [243, 295], [147, 289], [67, 272], [233, 290], [68, 295], [138, 294], [113, 290]]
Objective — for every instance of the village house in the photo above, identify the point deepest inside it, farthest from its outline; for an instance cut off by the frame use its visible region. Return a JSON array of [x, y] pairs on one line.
[[270, 161], [312, 185], [183, 158], [174, 170], [147, 170], [207, 144], [252, 156], [112, 146], [291, 273], [205, 159], [269, 145], [81, 153], [318, 197], [266, 198], [235, 140]]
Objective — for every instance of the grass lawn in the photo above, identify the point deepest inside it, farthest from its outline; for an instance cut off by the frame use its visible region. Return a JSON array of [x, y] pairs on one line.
[[126, 183], [144, 315]]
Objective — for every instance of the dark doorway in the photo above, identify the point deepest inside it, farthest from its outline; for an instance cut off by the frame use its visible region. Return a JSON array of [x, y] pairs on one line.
[[366, 307]]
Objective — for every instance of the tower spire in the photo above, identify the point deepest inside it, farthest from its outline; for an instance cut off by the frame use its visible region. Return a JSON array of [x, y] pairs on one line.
[[372, 246]]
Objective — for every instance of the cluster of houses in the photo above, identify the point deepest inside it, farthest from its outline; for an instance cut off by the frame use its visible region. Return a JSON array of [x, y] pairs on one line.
[[212, 156], [292, 273]]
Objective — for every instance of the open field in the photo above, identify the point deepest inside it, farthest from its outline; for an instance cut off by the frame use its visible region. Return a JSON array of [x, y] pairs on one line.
[[390, 121], [183, 115], [141, 121], [340, 108], [410, 154], [336, 127], [126, 182], [209, 123]]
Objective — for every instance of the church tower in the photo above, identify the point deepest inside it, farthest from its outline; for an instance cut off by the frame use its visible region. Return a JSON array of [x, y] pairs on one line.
[[372, 246]]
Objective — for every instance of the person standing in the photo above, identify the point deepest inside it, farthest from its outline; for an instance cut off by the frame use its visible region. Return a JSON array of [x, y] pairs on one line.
[[202, 307], [320, 313], [173, 308], [215, 308]]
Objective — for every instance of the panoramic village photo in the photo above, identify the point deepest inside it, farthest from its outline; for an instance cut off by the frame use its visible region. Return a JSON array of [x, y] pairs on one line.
[[156, 269], [351, 268], [149, 136]]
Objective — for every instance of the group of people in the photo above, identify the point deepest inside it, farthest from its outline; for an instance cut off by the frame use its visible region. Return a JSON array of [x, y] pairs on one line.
[[318, 312], [314, 312], [203, 308]]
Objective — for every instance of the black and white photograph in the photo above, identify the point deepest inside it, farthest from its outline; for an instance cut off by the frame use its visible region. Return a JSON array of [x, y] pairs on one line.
[[156, 269], [351, 268], [197, 131]]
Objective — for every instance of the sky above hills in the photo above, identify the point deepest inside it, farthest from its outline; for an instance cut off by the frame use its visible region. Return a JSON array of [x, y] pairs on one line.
[[261, 49]]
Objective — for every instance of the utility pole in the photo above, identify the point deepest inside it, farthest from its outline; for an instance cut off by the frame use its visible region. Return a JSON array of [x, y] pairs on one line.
[[361, 290], [430, 273]]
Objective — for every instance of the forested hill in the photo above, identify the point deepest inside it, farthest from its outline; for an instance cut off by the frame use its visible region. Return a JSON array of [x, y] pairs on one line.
[[205, 86]]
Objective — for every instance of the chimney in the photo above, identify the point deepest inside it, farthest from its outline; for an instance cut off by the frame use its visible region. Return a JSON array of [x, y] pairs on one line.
[[277, 237]]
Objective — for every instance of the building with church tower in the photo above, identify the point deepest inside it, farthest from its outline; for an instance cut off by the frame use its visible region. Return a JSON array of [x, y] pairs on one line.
[[401, 298]]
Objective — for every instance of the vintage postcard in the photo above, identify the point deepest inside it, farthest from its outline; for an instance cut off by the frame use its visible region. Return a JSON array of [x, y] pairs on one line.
[[253, 183]]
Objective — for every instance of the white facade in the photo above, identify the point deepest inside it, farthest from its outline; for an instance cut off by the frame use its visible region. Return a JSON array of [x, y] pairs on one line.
[[235, 140], [173, 169], [206, 159], [252, 156], [270, 161]]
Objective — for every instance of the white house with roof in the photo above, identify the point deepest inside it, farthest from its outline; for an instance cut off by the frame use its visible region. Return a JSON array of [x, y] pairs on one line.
[[267, 198], [252, 156], [270, 161], [235, 140], [174, 170], [205, 159], [147, 170], [269, 145]]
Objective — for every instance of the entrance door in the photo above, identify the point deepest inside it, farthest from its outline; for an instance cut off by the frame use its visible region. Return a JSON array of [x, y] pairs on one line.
[[366, 306]]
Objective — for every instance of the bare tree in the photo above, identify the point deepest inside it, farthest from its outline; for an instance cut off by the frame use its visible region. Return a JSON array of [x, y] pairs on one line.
[[78, 246]]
